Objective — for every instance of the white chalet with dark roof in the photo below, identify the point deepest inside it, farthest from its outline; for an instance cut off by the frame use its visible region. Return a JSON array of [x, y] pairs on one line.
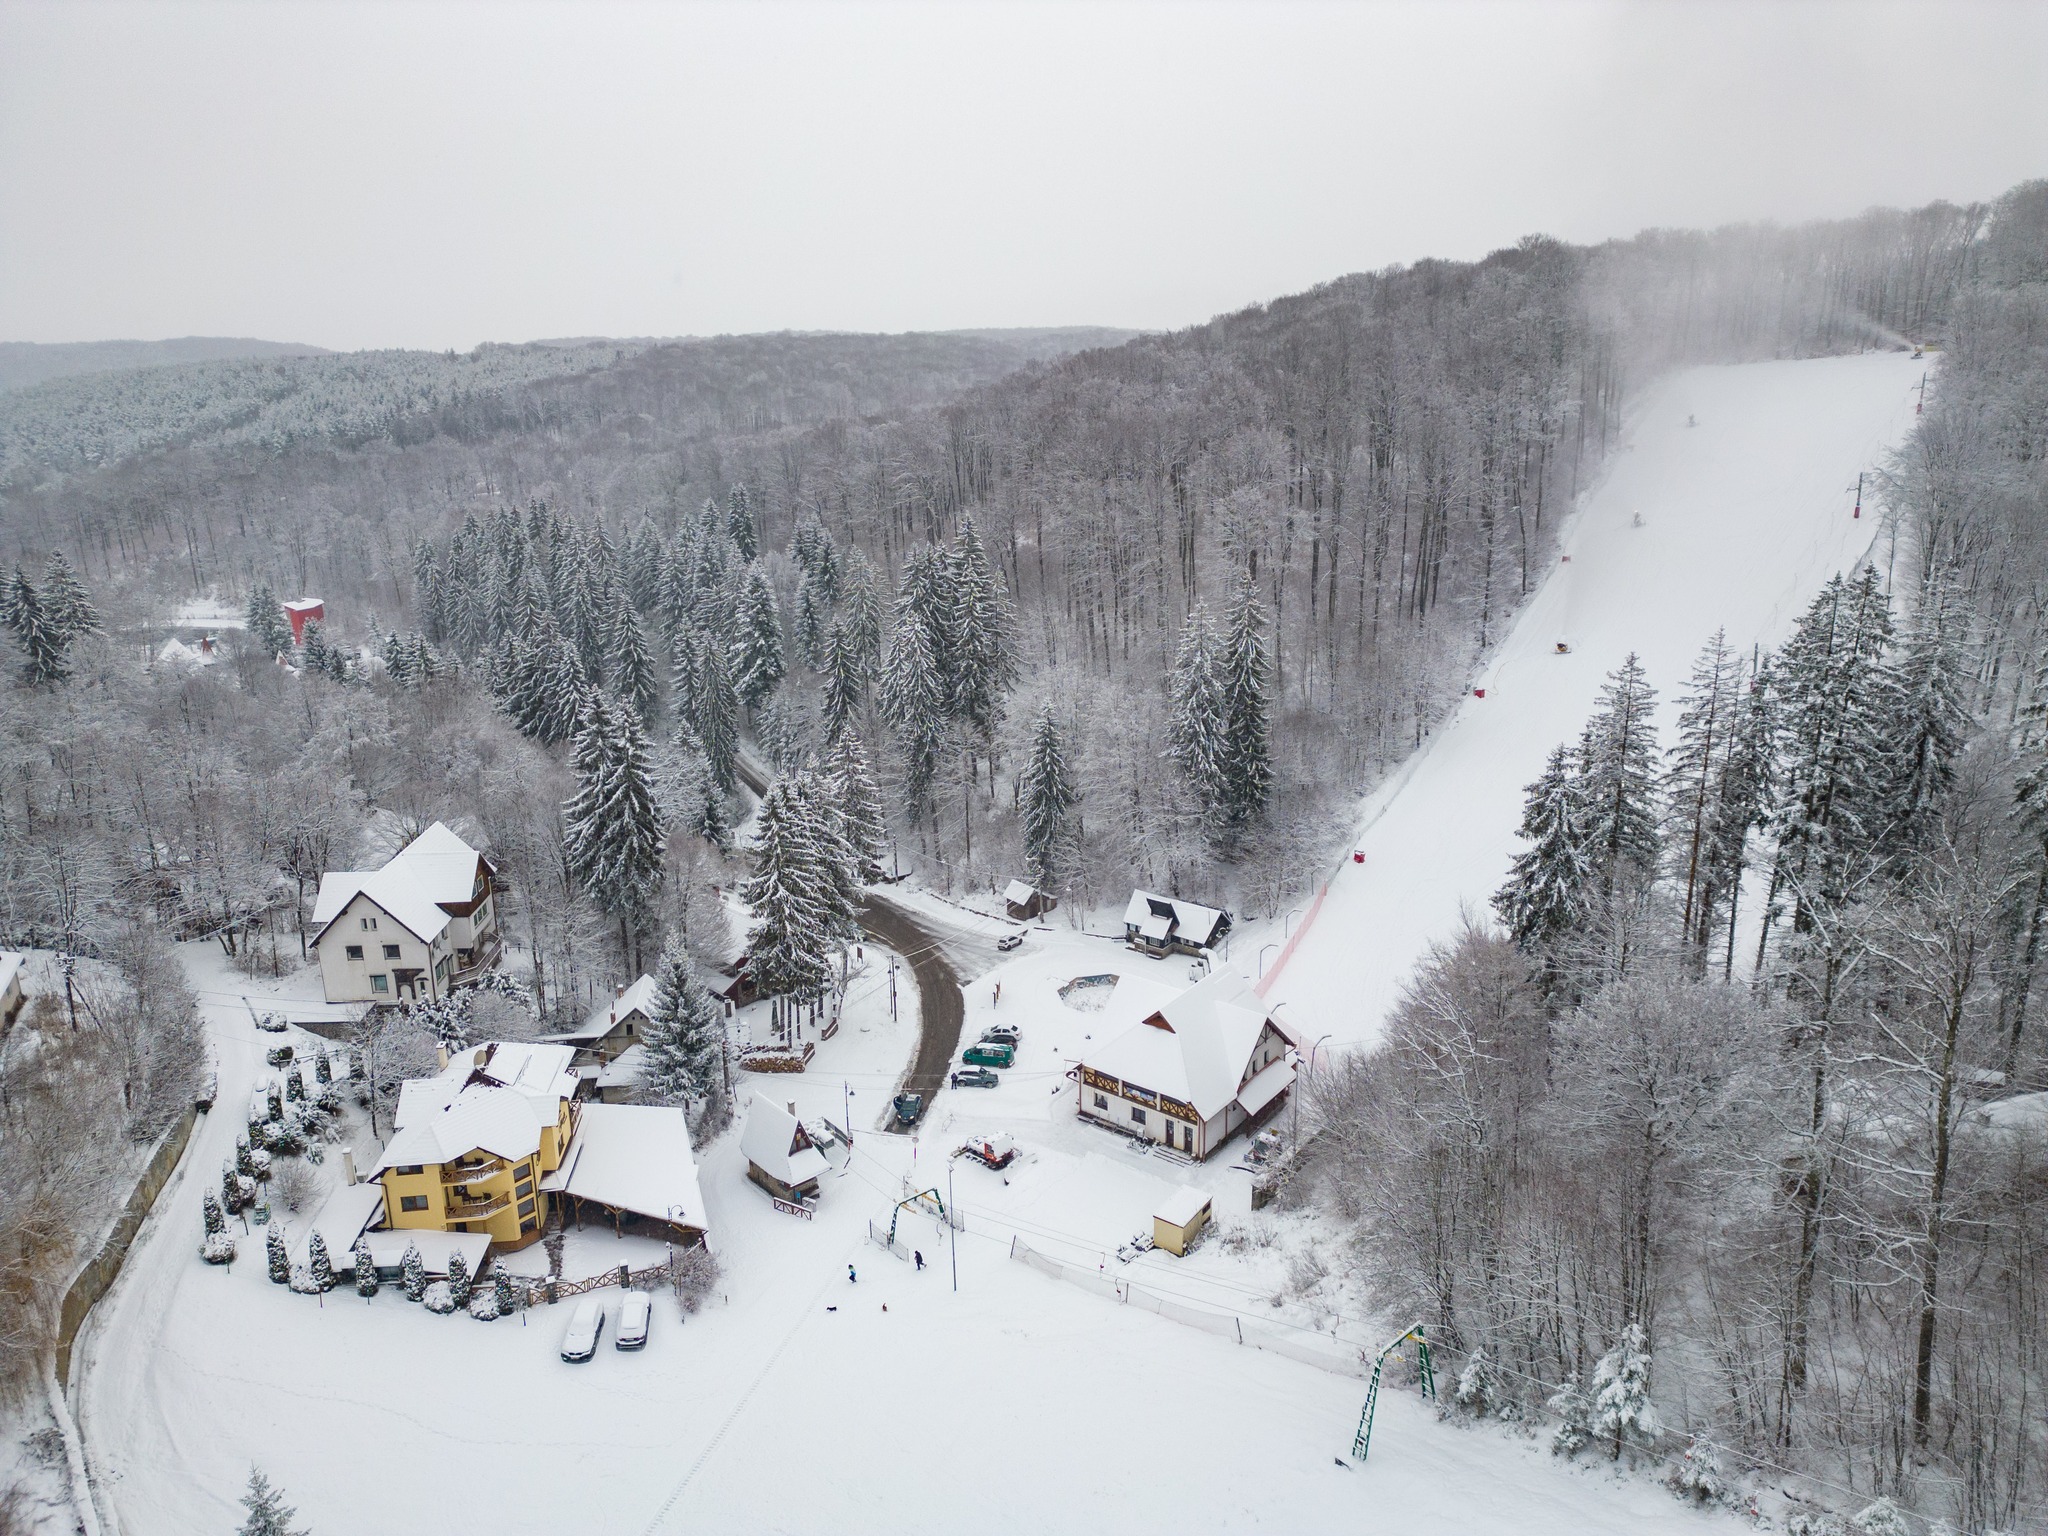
[[424, 923], [1209, 1064]]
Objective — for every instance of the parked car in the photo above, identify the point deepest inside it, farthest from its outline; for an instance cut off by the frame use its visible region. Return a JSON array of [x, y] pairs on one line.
[[990, 1056], [1009, 941], [586, 1327], [1002, 1034], [908, 1107], [275, 1023], [634, 1313], [975, 1077]]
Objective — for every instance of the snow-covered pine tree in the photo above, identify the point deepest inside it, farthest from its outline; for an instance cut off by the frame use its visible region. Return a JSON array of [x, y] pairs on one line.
[[276, 1255], [548, 694], [313, 649], [842, 865], [1621, 1391], [718, 715], [1835, 690], [44, 647], [1246, 764], [1620, 788], [643, 563], [914, 701], [1929, 723], [65, 600], [412, 1270], [1742, 803], [685, 1038], [366, 1269], [210, 1213], [757, 660], [319, 1263], [739, 523], [632, 665], [853, 789], [267, 1514], [1574, 1415], [459, 1282], [1478, 1390], [860, 609], [265, 623], [983, 663], [790, 894], [1549, 890], [505, 1289], [611, 827], [675, 604], [1048, 797], [1196, 726], [813, 610], [846, 682], [1696, 772]]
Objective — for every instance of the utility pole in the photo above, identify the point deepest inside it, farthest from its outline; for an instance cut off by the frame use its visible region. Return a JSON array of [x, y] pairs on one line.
[[846, 1112], [952, 1232], [1859, 495], [892, 989]]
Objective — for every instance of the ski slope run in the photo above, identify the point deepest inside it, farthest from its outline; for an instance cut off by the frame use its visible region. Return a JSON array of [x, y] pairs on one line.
[[1744, 516]]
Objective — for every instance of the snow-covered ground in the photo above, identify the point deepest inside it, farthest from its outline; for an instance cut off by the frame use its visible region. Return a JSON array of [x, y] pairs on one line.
[[1744, 516], [800, 1400]]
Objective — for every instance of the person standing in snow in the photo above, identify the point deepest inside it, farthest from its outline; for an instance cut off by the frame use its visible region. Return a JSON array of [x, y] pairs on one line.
[[918, 1254], [851, 1278]]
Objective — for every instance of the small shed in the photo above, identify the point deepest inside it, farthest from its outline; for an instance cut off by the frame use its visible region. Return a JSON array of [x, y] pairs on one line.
[[1023, 902], [300, 609], [740, 987], [781, 1157], [1180, 1219]]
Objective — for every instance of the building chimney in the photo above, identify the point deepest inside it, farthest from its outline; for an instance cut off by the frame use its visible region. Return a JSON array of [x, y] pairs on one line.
[[348, 1166], [441, 1055], [792, 1109]]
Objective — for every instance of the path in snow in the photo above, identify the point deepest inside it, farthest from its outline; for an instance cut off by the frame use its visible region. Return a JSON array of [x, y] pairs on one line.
[[1745, 515]]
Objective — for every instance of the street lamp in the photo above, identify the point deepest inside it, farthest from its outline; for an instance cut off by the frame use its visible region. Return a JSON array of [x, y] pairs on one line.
[[1262, 958], [1288, 920]]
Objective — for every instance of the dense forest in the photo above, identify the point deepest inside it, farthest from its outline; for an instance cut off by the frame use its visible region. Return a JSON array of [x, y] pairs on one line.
[[1151, 611]]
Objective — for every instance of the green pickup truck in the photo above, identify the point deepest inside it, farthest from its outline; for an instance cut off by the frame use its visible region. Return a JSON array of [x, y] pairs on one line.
[[987, 1055]]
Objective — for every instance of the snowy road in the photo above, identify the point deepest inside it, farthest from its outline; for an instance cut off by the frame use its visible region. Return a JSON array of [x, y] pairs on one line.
[[1744, 516]]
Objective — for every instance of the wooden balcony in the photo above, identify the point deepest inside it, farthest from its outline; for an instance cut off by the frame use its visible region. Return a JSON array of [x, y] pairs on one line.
[[477, 1210], [469, 1173]]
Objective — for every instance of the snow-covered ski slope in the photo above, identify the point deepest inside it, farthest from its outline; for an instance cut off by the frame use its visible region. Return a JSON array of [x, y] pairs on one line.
[[1744, 516]]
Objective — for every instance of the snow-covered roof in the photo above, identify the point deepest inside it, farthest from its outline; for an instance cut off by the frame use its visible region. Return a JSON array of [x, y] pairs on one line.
[[434, 870], [390, 888], [1019, 892], [10, 969], [342, 1216], [302, 604], [777, 1144], [1183, 1205], [1183, 919], [500, 1121], [636, 1157], [1198, 1047], [638, 998], [624, 1069], [387, 1249]]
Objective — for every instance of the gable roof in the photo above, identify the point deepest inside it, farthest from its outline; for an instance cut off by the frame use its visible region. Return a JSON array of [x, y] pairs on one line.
[[776, 1143], [1019, 892], [495, 1120], [635, 1157], [389, 889], [441, 864], [1197, 1048], [1159, 916], [638, 998]]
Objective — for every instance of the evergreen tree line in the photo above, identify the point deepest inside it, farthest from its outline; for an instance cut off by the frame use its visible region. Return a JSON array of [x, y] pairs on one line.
[[1750, 1064], [47, 621]]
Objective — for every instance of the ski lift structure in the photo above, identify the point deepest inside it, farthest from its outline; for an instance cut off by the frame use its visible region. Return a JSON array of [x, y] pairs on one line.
[[1425, 1372]]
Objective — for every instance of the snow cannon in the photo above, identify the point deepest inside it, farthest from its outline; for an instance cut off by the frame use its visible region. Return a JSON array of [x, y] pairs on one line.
[[1478, 693]]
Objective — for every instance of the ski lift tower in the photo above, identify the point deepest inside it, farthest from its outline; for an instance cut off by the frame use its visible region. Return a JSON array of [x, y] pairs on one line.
[[1425, 1373]]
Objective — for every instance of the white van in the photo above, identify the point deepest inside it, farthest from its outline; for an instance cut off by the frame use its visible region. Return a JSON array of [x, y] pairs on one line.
[[634, 1312], [586, 1325]]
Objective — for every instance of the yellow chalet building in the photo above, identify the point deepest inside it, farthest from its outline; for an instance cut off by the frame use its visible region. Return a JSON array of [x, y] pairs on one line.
[[472, 1144]]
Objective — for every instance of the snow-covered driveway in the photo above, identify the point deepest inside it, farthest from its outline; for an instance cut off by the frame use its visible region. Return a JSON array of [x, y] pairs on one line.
[[1744, 516]]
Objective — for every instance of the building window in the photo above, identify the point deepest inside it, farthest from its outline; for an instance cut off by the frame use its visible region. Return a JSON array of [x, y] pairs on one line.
[[369, 924], [529, 1224], [1137, 1117], [412, 1168], [355, 951], [441, 967], [412, 1203], [380, 983], [524, 1190], [390, 951], [1101, 1102], [526, 1208]]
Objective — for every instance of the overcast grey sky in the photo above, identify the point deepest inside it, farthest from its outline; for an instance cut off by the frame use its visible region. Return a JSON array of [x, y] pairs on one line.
[[436, 175]]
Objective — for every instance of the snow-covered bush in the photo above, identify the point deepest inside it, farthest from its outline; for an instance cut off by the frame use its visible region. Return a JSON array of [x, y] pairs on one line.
[[366, 1269], [259, 1163], [1478, 1391], [505, 1290], [303, 1282], [1698, 1475], [439, 1298], [414, 1269], [319, 1263], [219, 1248], [483, 1306], [293, 1185], [1622, 1409], [693, 1272], [209, 1213], [279, 1257], [1881, 1517], [458, 1279], [323, 1068], [1574, 1413], [1806, 1522], [278, 1055]]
